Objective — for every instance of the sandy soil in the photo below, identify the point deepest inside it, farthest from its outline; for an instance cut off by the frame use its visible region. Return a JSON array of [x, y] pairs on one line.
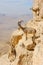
[[4, 48]]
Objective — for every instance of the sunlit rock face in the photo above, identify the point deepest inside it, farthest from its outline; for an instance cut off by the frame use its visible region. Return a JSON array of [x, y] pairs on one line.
[[16, 37], [38, 9], [38, 55], [33, 42], [25, 56], [22, 46], [19, 43]]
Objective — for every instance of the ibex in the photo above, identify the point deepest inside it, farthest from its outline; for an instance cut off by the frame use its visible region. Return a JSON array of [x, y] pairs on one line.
[[29, 30]]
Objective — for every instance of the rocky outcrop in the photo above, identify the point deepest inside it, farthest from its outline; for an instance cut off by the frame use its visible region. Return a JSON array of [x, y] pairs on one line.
[[38, 55], [32, 32]]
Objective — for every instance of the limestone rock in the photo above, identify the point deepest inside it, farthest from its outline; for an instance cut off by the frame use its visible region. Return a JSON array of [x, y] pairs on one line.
[[38, 55]]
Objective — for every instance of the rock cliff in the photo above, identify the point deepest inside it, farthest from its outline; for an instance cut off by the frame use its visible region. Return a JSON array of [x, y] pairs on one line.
[[27, 41]]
